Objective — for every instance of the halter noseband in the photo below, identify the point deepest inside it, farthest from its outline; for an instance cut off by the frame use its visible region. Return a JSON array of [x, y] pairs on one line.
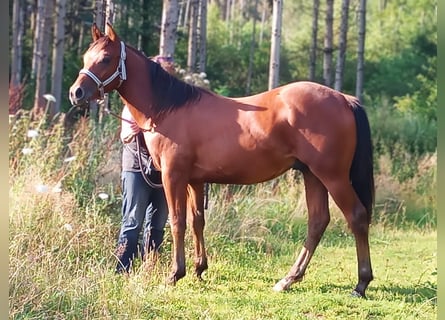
[[120, 71]]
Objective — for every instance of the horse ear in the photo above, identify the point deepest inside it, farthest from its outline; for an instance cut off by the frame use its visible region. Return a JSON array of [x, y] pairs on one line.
[[95, 32], [109, 31]]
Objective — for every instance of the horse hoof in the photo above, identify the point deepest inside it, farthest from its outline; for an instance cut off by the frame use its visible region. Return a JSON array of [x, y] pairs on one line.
[[356, 294], [199, 271], [281, 285], [171, 281], [199, 277]]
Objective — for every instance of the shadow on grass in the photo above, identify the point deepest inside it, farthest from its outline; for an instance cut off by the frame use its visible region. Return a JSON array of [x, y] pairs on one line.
[[424, 292]]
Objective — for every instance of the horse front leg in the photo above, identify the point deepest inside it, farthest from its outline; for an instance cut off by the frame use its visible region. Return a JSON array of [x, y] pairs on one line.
[[175, 194], [196, 220]]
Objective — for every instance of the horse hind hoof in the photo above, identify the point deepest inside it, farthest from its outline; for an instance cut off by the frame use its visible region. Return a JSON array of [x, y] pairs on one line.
[[282, 285], [199, 271], [356, 294], [171, 281]]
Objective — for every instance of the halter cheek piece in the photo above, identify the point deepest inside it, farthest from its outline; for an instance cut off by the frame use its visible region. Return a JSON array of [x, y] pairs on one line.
[[121, 71]]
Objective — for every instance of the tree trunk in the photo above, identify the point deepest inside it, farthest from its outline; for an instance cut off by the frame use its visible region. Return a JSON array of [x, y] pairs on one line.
[[202, 36], [274, 65], [263, 21], [228, 11], [17, 43], [99, 18], [169, 25], [361, 49], [80, 48], [252, 50], [38, 36], [58, 52], [343, 38], [187, 15], [313, 51], [145, 36], [229, 19], [45, 26], [327, 55], [109, 14], [193, 36]]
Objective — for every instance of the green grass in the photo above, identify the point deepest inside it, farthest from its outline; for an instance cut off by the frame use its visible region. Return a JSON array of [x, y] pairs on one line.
[[238, 284], [61, 244]]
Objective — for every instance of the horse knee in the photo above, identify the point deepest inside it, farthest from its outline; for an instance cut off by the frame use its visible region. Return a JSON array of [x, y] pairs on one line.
[[178, 226]]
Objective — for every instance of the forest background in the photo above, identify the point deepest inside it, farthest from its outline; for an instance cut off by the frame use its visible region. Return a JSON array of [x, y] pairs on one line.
[[68, 165]]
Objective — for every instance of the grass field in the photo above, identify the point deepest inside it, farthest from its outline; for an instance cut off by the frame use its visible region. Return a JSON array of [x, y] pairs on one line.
[[238, 284], [62, 237]]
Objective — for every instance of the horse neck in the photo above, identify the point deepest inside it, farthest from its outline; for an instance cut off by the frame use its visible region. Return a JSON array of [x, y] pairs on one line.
[[135, 91]]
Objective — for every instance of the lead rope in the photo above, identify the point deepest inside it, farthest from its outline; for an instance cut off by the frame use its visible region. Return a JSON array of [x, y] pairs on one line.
[[144, 175]]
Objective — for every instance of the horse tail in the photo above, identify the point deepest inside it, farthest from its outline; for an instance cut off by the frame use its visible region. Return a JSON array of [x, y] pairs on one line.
[[362, 169]]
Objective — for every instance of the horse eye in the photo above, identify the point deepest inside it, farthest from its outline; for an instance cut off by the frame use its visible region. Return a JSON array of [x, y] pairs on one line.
[[105, 60]]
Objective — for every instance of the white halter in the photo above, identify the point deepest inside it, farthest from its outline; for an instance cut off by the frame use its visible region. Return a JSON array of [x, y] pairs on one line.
[[120, 71]]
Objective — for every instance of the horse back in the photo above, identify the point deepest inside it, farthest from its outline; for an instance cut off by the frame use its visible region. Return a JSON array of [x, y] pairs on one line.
[[256, 138]]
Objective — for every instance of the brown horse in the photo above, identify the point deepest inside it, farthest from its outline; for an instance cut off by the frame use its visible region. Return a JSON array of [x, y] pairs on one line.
[[196, 136]]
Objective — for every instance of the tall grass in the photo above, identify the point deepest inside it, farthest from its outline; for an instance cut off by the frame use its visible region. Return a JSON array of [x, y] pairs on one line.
[[62, 230], [57, 222], [405, 152]]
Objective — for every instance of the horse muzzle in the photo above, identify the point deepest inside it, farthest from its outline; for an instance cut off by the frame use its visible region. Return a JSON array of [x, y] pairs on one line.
[[80, 94]]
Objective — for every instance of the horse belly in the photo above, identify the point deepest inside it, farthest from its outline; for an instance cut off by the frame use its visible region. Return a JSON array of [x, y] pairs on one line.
[[241, 167]]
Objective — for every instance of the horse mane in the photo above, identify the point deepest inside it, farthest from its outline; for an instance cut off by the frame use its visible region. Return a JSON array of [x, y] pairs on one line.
[[168, 92]]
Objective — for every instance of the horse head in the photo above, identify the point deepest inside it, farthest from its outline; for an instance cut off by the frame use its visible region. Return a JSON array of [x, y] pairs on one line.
[[103, 67]]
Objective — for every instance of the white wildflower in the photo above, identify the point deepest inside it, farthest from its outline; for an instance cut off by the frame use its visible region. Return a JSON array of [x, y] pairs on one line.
[[206, 81], [49, 97], [68, 227], [69, 159], [41, 188], [32, 133], [103, 196], [27, 150], [203, 75], [57, 188], [188, 78]]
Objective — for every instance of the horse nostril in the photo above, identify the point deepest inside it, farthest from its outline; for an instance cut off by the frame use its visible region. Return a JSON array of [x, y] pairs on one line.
[[79, 94]]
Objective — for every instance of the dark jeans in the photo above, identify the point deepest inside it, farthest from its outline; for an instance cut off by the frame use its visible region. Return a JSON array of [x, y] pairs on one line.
[[142, 207]]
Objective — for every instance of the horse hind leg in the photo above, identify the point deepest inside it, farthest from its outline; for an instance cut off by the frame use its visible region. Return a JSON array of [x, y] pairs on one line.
[[318, 220], [196, 220], [356, 216]]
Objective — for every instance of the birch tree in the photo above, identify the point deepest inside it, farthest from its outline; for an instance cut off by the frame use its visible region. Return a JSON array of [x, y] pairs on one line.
[[58, 52], [265, 9], [42, 39], [37, 26], [17, 42], [361, 49], [202, 28], [328, 43], [274, 64], [252, 49], [169, 24], [99, 20], [193, 36], [100, 11], [313, 50], [343, 36]]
